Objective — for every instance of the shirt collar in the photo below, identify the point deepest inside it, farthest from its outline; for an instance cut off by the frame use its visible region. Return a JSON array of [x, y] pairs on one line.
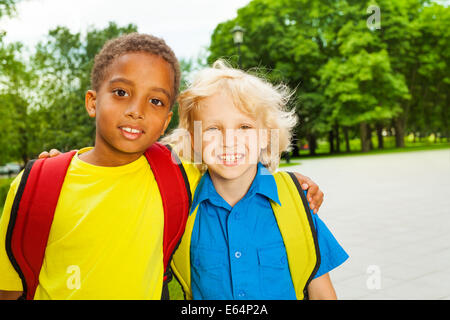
[[263, 183], [205, 191]]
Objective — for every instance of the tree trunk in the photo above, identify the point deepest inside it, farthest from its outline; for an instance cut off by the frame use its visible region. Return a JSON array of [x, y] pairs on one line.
[[347, 140], [369, 136], [379, 128], [295, 148], [331, 140], [399, 125], [23, 142], [312, 144], [365, 143], [338, 142]]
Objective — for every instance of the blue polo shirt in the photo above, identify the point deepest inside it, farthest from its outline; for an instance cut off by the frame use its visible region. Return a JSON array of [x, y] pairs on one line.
[[238, 253]]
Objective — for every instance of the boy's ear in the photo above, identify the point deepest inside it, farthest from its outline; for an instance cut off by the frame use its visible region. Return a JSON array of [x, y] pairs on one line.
[[166, 124], [264, 137], [90, 102]]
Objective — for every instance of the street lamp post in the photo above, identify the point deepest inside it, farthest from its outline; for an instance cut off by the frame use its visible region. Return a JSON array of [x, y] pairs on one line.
[[238, 38]]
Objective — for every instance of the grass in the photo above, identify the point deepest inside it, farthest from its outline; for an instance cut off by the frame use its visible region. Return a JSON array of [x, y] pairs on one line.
[[175, 291]]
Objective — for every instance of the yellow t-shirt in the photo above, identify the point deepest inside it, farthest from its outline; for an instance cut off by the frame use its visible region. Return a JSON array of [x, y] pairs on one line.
[[106, 238]]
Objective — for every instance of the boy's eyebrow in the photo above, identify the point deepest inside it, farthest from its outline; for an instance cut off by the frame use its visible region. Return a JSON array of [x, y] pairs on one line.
[[163, 91], [124, 80]]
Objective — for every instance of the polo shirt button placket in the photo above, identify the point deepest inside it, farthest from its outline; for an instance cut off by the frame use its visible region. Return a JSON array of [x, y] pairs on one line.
[[237, 254]]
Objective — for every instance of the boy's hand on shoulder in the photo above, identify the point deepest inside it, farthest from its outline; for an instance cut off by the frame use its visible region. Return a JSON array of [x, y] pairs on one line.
[[10, 295], [51, 154], [314, 195], [321, 288]]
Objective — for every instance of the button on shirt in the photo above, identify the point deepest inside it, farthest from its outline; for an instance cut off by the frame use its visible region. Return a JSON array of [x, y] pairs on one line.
[[238, 252]]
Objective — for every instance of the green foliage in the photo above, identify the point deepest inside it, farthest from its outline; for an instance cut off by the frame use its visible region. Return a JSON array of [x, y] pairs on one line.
[[175, 290], [4, 188], [7, 7], [14, 105]]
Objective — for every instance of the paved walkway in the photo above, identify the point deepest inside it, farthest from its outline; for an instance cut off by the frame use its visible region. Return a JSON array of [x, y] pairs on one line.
[[391, 213]]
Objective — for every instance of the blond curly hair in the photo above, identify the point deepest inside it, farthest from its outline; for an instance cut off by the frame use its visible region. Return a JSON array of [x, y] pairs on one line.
[[251, 94]]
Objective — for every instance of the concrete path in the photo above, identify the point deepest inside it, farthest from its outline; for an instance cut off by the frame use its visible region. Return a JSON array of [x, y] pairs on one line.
[[391, 213]]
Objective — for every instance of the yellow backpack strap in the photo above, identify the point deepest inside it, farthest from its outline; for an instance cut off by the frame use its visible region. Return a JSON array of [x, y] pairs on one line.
[[297, 229], [181, 260]]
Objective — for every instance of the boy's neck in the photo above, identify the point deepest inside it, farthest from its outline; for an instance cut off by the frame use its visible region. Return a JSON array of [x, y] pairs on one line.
[[103, 158], [233, 190]]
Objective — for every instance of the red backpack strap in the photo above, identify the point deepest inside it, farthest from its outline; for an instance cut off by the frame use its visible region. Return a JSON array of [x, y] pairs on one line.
[[32, 216], [176, 197]]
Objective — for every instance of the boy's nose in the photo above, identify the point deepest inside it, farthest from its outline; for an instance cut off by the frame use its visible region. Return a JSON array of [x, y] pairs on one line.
[[229, 138], [135, 110]]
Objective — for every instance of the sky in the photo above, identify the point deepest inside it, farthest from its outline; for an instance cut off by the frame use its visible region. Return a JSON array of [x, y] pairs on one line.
[[185, 25]]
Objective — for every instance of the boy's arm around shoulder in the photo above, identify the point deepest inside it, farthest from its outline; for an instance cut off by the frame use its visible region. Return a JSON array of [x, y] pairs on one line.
[[321, 288], [10, 295], [10, 283], [314, 194]]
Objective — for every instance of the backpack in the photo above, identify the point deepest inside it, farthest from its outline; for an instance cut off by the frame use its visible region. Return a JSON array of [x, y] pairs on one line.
[[37, 195], [296, 225]]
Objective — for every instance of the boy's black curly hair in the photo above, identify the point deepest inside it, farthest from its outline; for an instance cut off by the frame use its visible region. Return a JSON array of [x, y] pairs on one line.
[[133, 42]]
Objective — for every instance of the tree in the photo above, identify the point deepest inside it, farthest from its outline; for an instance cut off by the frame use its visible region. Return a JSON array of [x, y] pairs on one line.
[[7, 7], [14, 105], [359, 83], [12, 76], [430, 112]]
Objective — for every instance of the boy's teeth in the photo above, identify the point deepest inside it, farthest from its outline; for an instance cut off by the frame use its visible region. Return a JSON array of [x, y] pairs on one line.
[[230, 157], [130, 130]]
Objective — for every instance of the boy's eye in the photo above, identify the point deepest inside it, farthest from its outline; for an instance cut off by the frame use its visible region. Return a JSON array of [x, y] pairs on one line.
[[157, 102], [120, 93], [212, 129], [245, 126]]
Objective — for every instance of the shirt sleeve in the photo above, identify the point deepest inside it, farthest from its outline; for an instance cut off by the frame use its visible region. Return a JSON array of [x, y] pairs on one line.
[[9, 279], [332, 254]]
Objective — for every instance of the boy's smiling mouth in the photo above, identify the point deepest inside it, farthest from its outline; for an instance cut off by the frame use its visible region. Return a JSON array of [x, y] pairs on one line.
[[230, 159], [131, 132]]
